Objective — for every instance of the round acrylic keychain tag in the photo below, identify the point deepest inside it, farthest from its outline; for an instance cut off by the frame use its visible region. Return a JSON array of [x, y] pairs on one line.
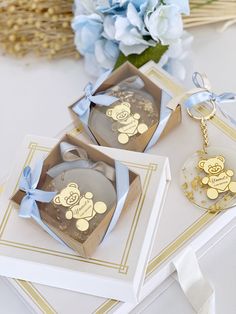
[[208, 178]]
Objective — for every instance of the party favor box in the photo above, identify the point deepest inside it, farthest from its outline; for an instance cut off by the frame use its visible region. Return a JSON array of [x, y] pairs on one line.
[[117, 268], [126, 109], [182, 226], [43, 299], [87, 192]]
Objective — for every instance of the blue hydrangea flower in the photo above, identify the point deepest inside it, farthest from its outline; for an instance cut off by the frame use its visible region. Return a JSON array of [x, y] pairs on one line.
[[100, 53], [106, 53], [118, 7], [103, 28], [128, 30], [88, 29]]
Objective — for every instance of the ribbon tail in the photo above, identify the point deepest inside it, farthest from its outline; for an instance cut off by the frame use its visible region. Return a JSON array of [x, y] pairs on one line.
[[122, 188], [227, 116], [103, 100], [81, 106], [227, 97], [100, 80], [26, 206], [36, 173], [71, 152], [194, 285], [43, 196], [164, 118], [24, 183]]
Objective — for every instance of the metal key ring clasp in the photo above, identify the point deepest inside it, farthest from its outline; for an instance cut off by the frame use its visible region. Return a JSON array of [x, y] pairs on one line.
[[208, 116]]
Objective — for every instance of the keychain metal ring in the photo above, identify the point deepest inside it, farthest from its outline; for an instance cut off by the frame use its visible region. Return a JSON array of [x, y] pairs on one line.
[[206, 117]]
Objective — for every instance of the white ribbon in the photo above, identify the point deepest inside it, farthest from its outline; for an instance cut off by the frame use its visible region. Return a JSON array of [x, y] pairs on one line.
[[195, 286]]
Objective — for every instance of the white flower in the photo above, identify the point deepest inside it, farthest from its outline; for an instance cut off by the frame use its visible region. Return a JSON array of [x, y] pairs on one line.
[[165, 24], [129, 32], [109, 27], [134, 18], [84, 7]]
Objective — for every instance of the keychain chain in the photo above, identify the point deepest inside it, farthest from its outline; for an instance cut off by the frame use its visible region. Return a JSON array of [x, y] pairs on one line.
[[203, 124], [205, 134]]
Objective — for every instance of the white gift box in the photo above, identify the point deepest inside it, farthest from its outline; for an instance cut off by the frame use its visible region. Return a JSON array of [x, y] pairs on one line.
[[181, 225], [45, 299], [118, 267]]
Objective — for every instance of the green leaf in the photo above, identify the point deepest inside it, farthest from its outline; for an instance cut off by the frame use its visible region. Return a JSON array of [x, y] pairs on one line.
[[151, 53]]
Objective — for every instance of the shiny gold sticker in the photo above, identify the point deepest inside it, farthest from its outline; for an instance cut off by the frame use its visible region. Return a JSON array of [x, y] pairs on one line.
[[127, 123], [218, 179], [80, 207]]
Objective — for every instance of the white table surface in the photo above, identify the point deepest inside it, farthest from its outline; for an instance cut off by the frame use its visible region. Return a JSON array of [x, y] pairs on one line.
[[34, 98]]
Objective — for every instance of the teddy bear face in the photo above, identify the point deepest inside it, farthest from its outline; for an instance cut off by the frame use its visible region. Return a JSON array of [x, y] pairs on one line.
[[120, 112], [212, 165], [69, 196]]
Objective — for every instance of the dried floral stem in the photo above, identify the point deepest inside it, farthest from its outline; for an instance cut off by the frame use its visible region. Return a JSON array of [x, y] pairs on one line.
[[210, 11], [43, 27]]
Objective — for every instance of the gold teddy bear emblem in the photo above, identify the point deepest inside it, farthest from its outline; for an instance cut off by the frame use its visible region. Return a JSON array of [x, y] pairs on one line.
[[80, 207], [129, 122], [218, 179]]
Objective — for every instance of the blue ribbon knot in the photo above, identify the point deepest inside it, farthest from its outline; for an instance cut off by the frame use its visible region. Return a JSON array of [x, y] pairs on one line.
[[203, 92], [82, 107], [28, 183], [28, 207]]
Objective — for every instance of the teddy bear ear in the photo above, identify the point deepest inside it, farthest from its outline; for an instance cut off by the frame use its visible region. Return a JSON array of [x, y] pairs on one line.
[[127, 104], [201, 163], [57, 200], [221, 158], [109, 112], [73, 185]]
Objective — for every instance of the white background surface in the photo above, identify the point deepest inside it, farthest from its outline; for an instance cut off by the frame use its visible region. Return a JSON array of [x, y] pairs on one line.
[[34, 99]]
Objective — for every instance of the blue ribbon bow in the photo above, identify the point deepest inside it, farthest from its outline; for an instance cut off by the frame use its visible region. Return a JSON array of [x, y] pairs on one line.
[[28, 183], [82, 107], [28, 207], [203, 93]]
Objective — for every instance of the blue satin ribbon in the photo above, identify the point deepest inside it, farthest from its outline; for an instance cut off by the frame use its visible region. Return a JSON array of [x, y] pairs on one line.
[[203, 93], [82, 107], [122, 188], [28, 207], [165, 114]]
